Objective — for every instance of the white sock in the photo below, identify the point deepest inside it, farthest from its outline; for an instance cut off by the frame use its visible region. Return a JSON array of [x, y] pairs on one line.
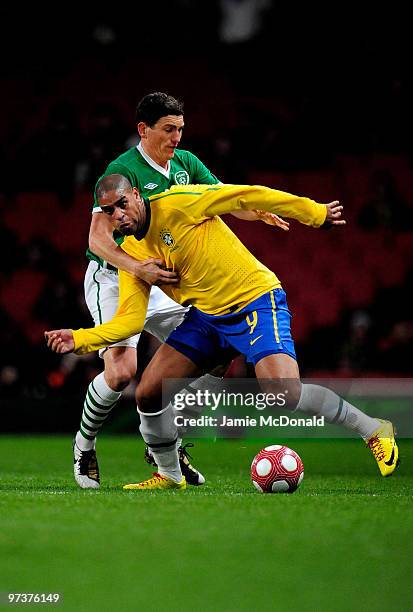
[[99, 401], [324, 402], [168, 464], [160, 434], [178, 445]]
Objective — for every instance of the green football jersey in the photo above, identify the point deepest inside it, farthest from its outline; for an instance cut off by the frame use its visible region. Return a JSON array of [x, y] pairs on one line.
[[149, 178]]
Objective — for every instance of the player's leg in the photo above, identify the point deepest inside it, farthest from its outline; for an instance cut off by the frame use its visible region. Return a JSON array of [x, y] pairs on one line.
[[184, 355], [276, 367], [279, 372], [163, 316], [105, 390], [268, 344], [158, 427], [275, 373]]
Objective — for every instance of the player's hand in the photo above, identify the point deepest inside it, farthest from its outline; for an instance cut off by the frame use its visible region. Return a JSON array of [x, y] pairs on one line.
[[333, 218], [60, 340], [153, 272], [272, 219]]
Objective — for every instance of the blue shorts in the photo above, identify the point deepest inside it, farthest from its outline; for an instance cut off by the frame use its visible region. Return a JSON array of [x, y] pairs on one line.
[[262, 328]]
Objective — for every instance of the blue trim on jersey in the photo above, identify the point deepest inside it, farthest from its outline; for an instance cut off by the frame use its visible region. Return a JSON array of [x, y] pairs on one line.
[[260, 329]]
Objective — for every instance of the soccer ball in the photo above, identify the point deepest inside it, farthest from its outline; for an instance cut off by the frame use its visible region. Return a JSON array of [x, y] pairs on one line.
[[277, 469]]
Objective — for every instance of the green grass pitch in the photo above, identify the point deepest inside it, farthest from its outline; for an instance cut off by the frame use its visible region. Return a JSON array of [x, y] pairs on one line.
[[343, 541]]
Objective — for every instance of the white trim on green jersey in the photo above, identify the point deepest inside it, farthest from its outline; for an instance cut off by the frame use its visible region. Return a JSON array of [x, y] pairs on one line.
[[153, 163]]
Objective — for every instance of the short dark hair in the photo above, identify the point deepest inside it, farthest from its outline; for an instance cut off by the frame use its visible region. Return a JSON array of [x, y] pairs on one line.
[[156, 105], [111, 182]]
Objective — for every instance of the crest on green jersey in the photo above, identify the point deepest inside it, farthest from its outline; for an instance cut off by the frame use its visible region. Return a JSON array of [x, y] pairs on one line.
[[181, 177], [168, 239]]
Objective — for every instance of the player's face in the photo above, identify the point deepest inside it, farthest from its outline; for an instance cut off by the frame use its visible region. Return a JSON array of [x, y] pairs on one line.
[[161, 140], [125, 209]]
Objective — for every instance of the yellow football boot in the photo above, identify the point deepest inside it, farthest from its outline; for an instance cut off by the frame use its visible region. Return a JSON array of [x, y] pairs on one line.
[[384, 448], [156, 482]]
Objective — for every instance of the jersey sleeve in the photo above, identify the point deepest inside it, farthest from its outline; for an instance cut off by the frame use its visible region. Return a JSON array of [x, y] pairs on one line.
[[128, 320], [199, 172], [228, 198]]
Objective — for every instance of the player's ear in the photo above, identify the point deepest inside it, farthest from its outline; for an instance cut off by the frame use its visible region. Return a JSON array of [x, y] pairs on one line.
[[142, 129]]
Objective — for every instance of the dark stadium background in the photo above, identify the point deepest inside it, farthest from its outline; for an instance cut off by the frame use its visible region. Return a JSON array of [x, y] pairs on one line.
[[318, 110]]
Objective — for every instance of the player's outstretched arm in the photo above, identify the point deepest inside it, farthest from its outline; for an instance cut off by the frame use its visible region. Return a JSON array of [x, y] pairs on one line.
[[60, 340], [229, 198], [333, 217], [101, 242]]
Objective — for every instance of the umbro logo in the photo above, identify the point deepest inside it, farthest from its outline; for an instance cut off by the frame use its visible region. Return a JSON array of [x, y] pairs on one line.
[[150, 186]]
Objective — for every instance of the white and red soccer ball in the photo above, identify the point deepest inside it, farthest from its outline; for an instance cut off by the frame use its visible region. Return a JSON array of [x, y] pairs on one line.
[[277, 469]]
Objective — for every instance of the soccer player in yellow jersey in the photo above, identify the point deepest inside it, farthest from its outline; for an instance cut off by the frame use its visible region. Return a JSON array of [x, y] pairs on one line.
[[238, 305]]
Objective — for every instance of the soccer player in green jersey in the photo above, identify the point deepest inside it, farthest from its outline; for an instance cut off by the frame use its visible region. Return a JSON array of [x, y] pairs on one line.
[[153, 166]]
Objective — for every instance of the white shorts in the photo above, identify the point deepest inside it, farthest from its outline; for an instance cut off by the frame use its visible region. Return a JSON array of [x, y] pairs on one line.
[[102, 296]]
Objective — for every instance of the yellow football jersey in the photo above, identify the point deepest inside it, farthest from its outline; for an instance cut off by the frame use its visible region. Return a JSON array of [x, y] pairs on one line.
[[217, 272]]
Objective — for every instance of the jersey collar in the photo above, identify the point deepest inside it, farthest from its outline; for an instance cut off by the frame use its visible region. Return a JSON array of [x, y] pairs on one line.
[[141, 233], [152, 163]]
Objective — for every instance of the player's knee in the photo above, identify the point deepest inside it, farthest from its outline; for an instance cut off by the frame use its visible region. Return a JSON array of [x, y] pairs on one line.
[[287, 391], [147, 399], [119, 375]]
